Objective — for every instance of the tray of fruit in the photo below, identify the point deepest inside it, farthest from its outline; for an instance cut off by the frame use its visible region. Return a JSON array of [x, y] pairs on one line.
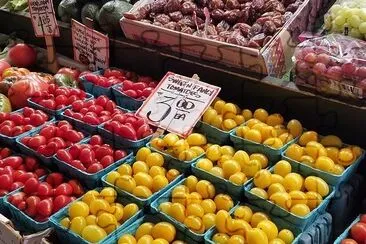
[[21, 122], [143, 178], [130, 95], [230, 168], [324, 156], [87, 115], [294, 198], [150, 228], [249, 224], [219, 119], [95, 217], [178, 152], [89, 160], [266, 134], [126, 130], [56, 99], [34, 204], [44, 142], [192, 206], [355, 232]]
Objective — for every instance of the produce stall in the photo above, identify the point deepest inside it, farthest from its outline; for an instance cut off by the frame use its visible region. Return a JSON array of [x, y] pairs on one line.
[[193, 122]]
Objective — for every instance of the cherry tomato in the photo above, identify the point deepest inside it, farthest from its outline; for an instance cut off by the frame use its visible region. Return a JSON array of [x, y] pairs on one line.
[[348, 241], [16, 185], [91, 120], [6, 130], [91, 77], [6, 181], [77, 164], [48, 103], [64, 189], [61, 100], [87, 156], [101, 101], [103, 151], [106, 161], [59, 141], [119, 154], [127, 132], [13, 161], [17, 118], [358, 232], [77, 189], [77, 105], [25, 177], [127, 85], [40, 172], [17, 130], [44, 207], [32, 203], [5, 116], [51, 149], [5, 152], [96, 140], [131, 93], [37, 119], [64, 155], [55, 179], [31, 186], [16, 198], [73, 136], [110, 106], [112, 72], [60, 202], [31, 163], [48, 131], [36, 142], [94, 168], [44, 189]]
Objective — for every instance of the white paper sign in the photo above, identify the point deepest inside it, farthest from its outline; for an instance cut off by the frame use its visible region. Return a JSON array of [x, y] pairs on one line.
[[91, 48], [43, 18], [177, 103]]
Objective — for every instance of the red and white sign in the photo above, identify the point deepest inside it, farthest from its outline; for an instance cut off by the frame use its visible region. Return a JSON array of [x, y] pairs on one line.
[[43, 18], [90, 47], [177, 103]]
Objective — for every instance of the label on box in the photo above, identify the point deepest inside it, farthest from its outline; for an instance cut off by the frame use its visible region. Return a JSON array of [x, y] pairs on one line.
[[177, 103], [91, 48], [43, 18]]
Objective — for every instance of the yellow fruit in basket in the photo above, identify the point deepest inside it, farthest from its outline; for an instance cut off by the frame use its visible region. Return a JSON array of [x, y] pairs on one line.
[[217, 121], [229, 116], [227, 150], [252, 168], [275, 187], [127, 239], [195, 209], [172, 174], [228, 124], [208, 206], [280, 129], [217, 171], [274, 119], [112, 177], [93, 233], [177, 211], [154, 159], [286, 235], [257, 218], [209, 220], [300, 210], [293, 182], [253, 135], [345, 157], [197, 150], [107, 220], [332, 152], [275, 178], [238, 178], [237, 226], [164, 230], [126, 183], [78, 208], [305, 159], [195, 224], [140, 166], [276, 241], [237, 239], [313, 183], [220, 238], [143, 152], [165, 207], [65, 222], [286, 138], [262, 179], [109, 194], [222, 217], [213, 153], [229, 108], [157, 143], [267, 132], [142, 192], [194, 197], [98, 206], [223, 202], [307, 137], [91, 220], [239, 119], [156, 170], [129, 210], [247, 114], [204, 164], [324, 163], [241, 157], [314, 199], [209, 115], [180, 188], [269, 228], [294, 127], [275, 143], [230, 167], [315, 149], [89, 196], [259, 192], [241, 131], [205, 189], [261, 114], [196, 139], [125, 169], [180, 146], [144, 229], [77, 224], [261, 158], [295, 152], [191, 183], [180, 197], [257, 236], [244, 213], [338, 169], [117, 210], [331, 141], [282, 168], [281, 199], [222, 159], [159, 241], [357, 151], [170, 139], [146, 239], [159, 182]]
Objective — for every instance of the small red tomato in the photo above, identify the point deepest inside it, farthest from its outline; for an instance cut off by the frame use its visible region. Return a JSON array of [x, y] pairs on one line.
[[48, 103], [31, 163], [127, 132], [103, 151], [36, 141], [59, 141], [5, 116], [16, 198], [363, 218], [64, 155], [91, 77], [32, 203], [17, 130], [142, 130], [55, 179], [5, 152], [59, 91], [27, 127], [22, 167], [77, 164], [6, 181], [3, 192], [130, 93], [48, 131], [147, 91], [139, 86], [44, 207], [27, 111], [44, 189], [348, 241], [101, 101], [60, 202], [17, 118], [64, 123], [22, 206], [73, 136], [40, 172], [17, 173], [16, 185], [96, 109], [110, 106], [77, 105], [78, 116], [112, 72], [358, 232], [25, 177], [37, 119], [75, 151], [6, 130], [13, 161], [8, 123], [89, 103], [106, 161], [77, 189], [96, 140], [51, 149], [91, 120], [87, 156], [119, 154], [127, 85], [105, 113], [94, 168], [64, 189], [72, 99], [61, 100]]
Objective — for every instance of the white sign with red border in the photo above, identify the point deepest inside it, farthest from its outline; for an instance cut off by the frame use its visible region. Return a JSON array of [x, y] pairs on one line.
[[43, 18], [91, 48], [177, 103]]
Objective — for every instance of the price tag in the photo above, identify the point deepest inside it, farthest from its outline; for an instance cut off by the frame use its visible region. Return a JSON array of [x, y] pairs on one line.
[[90, 47], [43, 18], [177, 103]]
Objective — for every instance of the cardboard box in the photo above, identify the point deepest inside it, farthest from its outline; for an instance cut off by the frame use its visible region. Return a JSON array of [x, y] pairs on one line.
[[9, 235], [273, 59]]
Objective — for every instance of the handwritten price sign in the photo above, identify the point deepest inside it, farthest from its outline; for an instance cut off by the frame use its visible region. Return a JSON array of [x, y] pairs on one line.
[[43, 18], [177, 103], [90, 47]]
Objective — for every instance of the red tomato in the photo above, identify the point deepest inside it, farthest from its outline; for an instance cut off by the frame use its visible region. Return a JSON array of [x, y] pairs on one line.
[[139, 86], [55, 179], [6, 130], [17, 173], [3, 192], [147, 91], [110, 106], [77, 189], [32, 203], [44, 207], [91, 120], [40, 172], [75, 151], [127, 132], [6, 181], [27, 111], [64, 155], [106, 161], [348, 241], [5, 116], [31, 163], [13, 161], [48, 131], [37, 119], [64, 189], [17, 130], [59, 141], [22, 55], [16, 185], [61, 100], [91, 78], [36, 141], [50, 149], [48, 103], [16, 198], [363, 218], [127, 85], [119, 154], [60, 202], [87, 156], [103, 151], [77, 105], [31, 186], [358, 232], [131, 93], [44, 189], [96, 140], [17, 118], [25, 177], [27, 127], [73, 136], [22, 206], [64, 123], [102, 101], [77, 164], [113, 72], [94, 168]]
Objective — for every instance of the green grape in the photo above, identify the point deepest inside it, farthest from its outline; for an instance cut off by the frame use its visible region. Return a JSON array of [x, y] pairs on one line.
[[335, 8], [354, 21], [340, 20], [355, 33], [362, 28], [347, 12], [363, 14]]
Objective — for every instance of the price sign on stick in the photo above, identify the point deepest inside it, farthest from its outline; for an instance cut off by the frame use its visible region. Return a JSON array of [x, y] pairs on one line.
[[177, 103], [90, 47]]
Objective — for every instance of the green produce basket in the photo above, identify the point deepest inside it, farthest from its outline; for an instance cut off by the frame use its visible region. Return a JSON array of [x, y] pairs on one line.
[[213, 134], [346, 233], [125, 101]]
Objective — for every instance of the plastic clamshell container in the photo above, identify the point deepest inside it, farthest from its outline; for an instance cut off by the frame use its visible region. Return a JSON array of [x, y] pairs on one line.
[[125, 101], [183, 228], [134, 226], [213, 134], [57, 113], [96, 90], [141, 202], [275, 210], [330, 178], [273, 154], [67, 236], [11, 140], [181, 166], [346, 233], [280, 223], [89, 180], [48, 161]]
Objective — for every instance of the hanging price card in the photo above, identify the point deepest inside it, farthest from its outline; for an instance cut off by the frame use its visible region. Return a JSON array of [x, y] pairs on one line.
[[90, 47], [43, 18], [177, 103]]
